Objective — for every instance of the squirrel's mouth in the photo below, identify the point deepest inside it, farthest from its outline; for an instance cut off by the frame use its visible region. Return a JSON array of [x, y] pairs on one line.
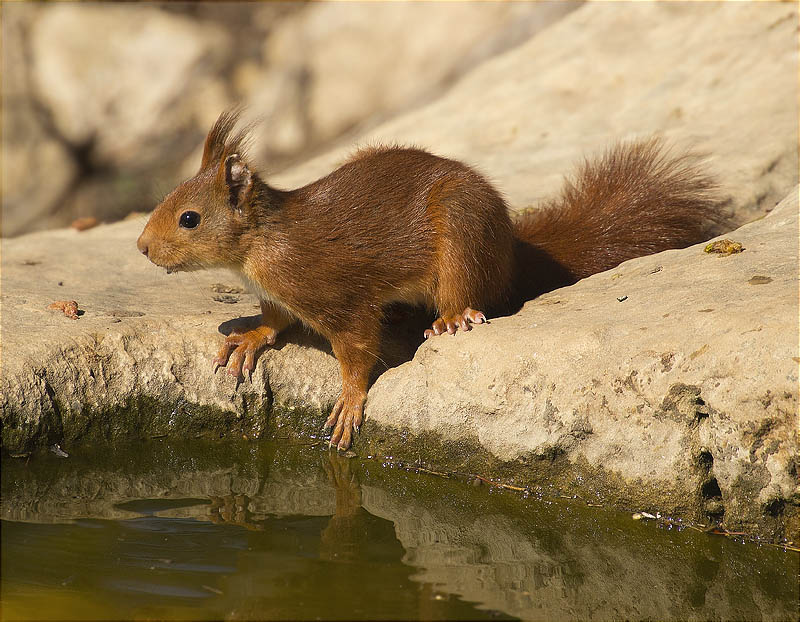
[[170, 268], [181, 267], [174, 268]]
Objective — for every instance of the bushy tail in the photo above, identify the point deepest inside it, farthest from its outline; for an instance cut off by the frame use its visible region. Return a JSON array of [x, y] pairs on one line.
[[636, 199]]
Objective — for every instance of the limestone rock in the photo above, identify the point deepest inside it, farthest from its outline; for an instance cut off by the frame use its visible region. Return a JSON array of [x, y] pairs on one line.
[[117, 110], [28, 149], [334, 66], [163, 60]]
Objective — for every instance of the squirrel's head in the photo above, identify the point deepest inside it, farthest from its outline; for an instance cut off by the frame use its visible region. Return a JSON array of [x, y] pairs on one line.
[[205, 221]]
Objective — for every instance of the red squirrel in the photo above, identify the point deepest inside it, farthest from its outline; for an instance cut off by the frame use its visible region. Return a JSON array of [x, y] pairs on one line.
[[402, 225]]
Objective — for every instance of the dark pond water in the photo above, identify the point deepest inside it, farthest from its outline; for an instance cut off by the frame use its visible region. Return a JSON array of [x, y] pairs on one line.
[[244, 531]]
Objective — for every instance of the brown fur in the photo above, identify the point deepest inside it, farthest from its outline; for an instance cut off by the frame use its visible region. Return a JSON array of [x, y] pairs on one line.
[[401, 225], [637, 199]]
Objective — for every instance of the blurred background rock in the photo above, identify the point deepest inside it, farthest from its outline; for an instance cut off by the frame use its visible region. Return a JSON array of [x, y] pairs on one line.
[[105, 106]]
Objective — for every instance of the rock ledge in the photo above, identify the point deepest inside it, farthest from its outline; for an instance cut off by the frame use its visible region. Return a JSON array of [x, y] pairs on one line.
[[666, 384]]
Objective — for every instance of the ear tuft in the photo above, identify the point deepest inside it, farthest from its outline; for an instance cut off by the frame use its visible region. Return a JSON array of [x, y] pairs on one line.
[[218, 137]]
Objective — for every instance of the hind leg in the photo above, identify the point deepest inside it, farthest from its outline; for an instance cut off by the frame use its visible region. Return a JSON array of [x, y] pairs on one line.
[[461, 290], [456, 296], [473, 261]]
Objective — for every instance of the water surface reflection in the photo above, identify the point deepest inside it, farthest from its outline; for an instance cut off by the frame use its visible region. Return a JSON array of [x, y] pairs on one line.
[[246, 531]]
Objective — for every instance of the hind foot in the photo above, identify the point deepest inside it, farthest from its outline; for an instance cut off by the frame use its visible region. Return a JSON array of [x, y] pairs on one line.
[[451, 323]]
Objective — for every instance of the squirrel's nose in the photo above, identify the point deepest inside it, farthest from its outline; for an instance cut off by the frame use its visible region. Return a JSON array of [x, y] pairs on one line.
[[141, 244]]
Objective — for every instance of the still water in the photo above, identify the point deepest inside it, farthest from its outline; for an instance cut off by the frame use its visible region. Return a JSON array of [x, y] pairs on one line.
[[238, 531]]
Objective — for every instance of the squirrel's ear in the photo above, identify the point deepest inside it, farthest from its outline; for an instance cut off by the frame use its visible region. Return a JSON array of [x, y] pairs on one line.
[[239, 180]]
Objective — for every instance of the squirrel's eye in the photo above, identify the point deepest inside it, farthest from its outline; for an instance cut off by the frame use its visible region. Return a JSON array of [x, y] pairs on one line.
[[189, 220]]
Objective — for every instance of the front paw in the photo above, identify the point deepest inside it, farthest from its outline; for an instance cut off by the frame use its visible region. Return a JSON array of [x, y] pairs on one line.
[[345, 418], [240, 350]]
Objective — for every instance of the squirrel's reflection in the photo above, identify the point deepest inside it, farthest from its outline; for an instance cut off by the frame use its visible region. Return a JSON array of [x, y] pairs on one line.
[[349, 525], [352, 533], [234, 510]]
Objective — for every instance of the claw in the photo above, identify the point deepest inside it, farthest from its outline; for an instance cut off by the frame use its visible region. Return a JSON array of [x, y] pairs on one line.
[[452, 323], [240, 351]]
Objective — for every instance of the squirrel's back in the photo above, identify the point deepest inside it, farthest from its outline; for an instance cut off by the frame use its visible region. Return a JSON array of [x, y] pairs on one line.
[[399, 224], [637, 199]]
